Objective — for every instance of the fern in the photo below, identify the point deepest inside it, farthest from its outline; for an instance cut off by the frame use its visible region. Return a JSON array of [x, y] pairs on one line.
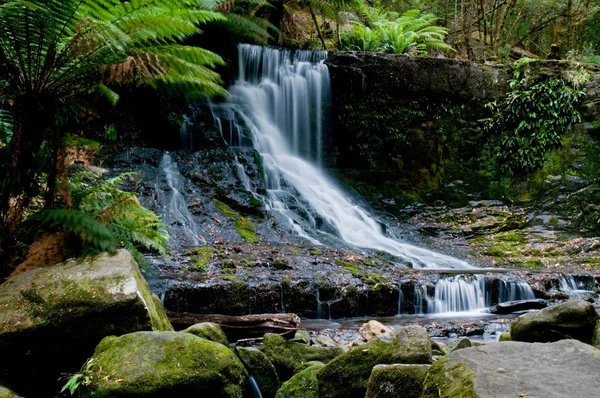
[[105, 218]]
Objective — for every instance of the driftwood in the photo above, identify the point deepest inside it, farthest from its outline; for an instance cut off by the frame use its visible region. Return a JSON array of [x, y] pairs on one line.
[[237, 327]]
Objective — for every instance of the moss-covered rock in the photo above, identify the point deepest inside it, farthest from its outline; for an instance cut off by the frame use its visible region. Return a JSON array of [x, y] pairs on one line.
[[459, 344], [209, 331], [261, 368], [347, 375], [397, 381], [448, 379], [6, 393], [505, 337], [572, 319], [52, 318], [288, 356], [566, 368], [164, 364], [303, 384]]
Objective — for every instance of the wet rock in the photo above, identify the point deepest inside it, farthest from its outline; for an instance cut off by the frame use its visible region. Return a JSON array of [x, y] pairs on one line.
[[460, 344], [288, 356], [372, 329], [572, 319], [260, 367], [509, 307], [209, 331], [6, 393], [567, 368], [325, 341], [302, 336], [52, 318], [347, 375], [155, 364], [303, 384], [397, 381]]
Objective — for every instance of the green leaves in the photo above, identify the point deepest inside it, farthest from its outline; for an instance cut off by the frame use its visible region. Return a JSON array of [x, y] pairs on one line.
[[105, 218], [411, 33], [532, 119]]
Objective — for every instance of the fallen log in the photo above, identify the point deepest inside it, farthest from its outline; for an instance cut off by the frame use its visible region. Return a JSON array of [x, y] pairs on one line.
[[509, 307], [242, 326]]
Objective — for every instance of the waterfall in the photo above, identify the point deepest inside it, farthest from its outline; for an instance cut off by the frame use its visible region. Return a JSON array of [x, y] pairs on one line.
[[469, 293], [569, 285], [173, 209], [279, 104]]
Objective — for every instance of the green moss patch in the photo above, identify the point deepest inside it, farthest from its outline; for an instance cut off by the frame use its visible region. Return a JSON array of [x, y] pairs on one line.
[[246, 229], [448, 379], [201, 257], [304, 384], [226, 210]]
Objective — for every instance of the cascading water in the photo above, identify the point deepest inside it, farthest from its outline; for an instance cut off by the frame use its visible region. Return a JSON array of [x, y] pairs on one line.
[[173, 209], [470, 293], [278, 103]]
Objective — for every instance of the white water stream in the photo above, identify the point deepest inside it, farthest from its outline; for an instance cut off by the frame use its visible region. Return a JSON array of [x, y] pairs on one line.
[[279, 103]]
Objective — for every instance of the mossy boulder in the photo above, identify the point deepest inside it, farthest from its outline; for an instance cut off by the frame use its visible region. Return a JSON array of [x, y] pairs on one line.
[[261, 368], [288, 356], [303, 384], [596, 335], [505, 337], [6, 393], [567, 368], [348, 374], [397, 381], [52, 318], [164, 364], [209, 331], [572, 319]]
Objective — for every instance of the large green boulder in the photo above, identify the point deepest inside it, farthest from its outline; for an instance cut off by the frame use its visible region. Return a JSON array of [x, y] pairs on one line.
[[6, 393], [566, 368], [209, 331], [52, 318], [289, 357], [574, 319], [164, 364], [260, 367], [303, 384], [397, 381], [348, 374]]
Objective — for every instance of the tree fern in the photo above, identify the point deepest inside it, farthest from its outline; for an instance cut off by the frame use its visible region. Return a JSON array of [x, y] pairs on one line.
[[105, 218], [51, 51]]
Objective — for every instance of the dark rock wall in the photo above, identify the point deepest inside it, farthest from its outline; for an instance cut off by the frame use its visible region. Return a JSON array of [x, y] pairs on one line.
[[401, 122]]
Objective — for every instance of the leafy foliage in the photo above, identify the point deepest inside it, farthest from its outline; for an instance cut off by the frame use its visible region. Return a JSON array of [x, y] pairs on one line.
[[532, 118], [105, 218], [82, 378], [411, 33]]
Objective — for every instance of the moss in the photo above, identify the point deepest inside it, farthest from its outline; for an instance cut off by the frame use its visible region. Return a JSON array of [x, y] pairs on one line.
[[280, 263], [246, 229], [226, 210], [230, 278], [209, 331], [397, 381], [347, 375], [288, 356], [304, 384], [314, 253], [255, 202], [261, 368], [505, 337], [6, 393], [448, 379], [533, 264], [153, 364], [201, 257], [511, 237], [229, 264]]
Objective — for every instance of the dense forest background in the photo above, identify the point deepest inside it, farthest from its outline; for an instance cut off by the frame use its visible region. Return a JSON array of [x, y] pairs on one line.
[[89, 73]]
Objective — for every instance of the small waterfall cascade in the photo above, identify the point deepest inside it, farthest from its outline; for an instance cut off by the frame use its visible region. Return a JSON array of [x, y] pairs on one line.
[[574, 288], [254, 387], [469, 293], [173, 209], [279, 106]]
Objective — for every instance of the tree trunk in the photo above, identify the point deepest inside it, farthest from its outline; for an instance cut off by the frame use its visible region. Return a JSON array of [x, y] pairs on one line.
[[236, 327], [314, 18]]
